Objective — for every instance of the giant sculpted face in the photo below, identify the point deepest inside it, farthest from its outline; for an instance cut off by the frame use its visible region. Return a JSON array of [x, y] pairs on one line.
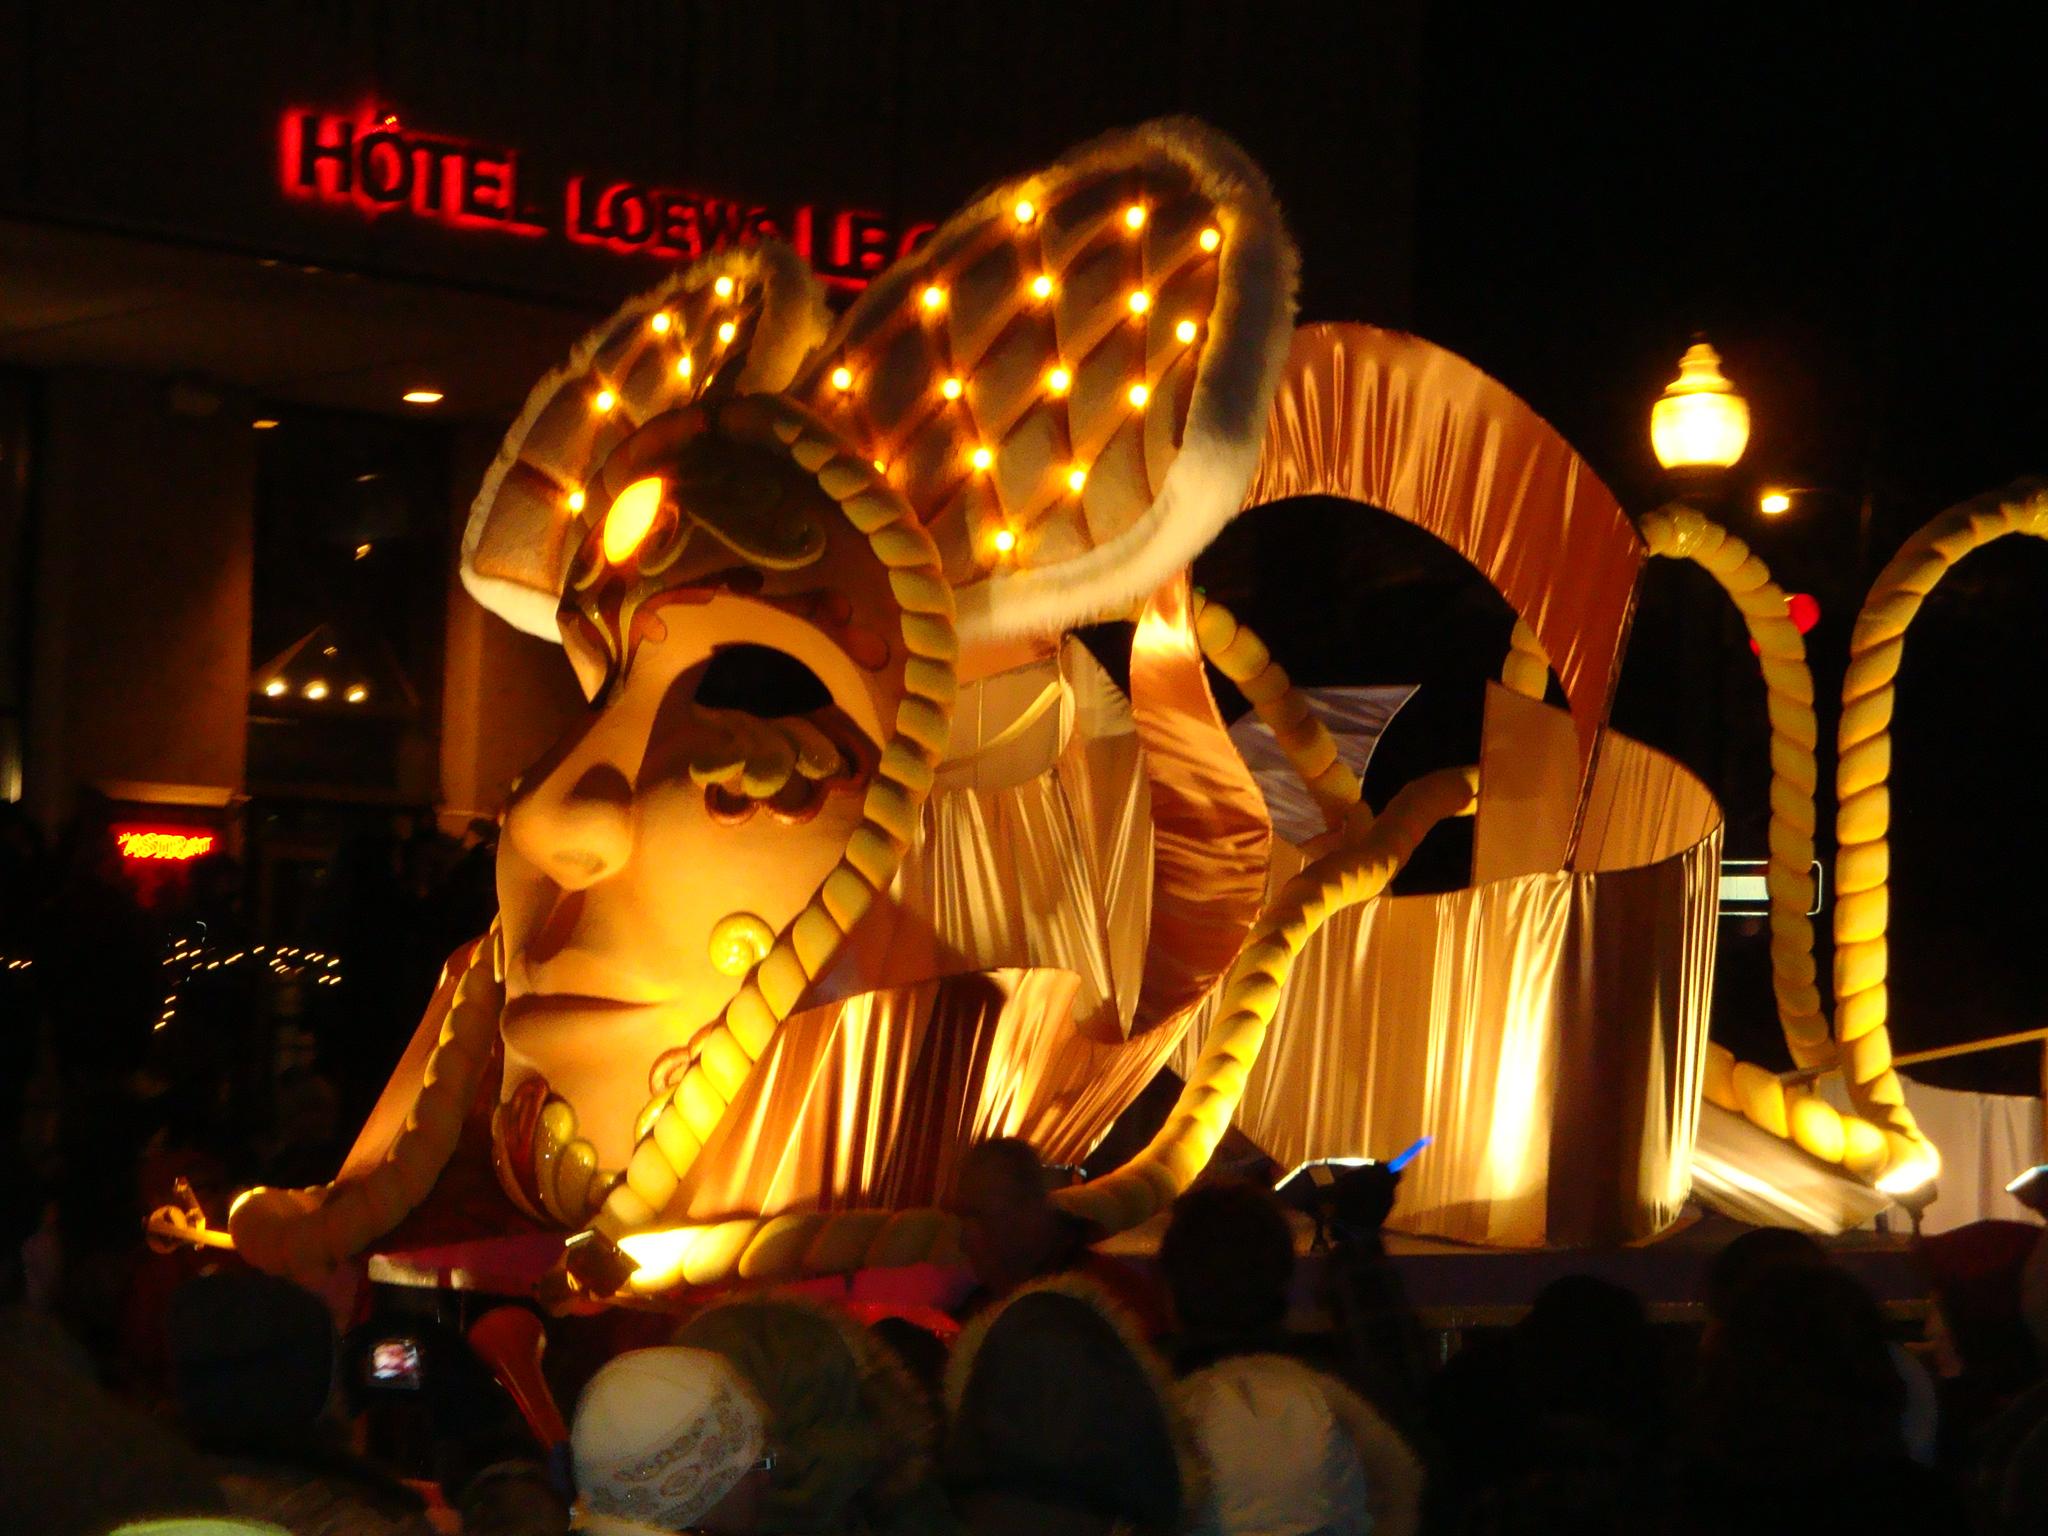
[[739, 643]]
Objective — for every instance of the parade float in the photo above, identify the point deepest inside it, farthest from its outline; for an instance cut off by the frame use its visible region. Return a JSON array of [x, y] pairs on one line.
[[858, 856]]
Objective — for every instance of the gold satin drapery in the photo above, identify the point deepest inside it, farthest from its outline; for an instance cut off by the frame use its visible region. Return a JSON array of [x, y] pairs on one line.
[[1085, 869], [1547, 1028], [1398, 423]]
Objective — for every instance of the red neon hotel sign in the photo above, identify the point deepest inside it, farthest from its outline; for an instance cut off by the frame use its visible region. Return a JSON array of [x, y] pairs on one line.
[[174, 845], [373, 163]]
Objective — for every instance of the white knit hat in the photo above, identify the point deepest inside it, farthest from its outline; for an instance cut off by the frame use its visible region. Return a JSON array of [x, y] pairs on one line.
[[661, 1436], [1280, 1462]]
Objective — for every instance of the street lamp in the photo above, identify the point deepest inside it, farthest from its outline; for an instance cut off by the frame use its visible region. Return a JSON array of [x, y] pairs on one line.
[[1699, 422]]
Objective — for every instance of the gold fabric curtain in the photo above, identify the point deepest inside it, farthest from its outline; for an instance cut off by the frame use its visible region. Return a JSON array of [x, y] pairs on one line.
[[1548, 1029], [1399, 423], [1086, 868]]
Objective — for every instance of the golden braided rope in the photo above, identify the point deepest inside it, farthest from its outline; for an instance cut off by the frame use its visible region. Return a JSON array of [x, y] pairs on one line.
[[1348, 876], [306, 1232], [1527, 669], [1872, 1143], [673, 1128], [1242, 657], [1863, 795]]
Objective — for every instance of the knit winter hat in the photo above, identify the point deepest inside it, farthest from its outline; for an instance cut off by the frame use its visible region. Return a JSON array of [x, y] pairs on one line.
[[1280, 1464], [662, 1435]]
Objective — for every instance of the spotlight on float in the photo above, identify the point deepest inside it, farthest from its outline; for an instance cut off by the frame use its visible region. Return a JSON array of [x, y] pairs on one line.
[[1912, 1185], [1348, 1198], [1700, 422]]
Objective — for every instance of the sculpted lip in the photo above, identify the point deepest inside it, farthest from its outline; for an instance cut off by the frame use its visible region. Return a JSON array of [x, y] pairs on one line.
[[545, 1003]]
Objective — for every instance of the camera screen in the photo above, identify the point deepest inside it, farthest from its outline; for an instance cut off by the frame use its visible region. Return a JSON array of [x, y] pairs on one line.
[[395, 1363]]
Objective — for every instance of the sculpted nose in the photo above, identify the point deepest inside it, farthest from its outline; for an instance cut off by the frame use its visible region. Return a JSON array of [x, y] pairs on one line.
[[576, 826]]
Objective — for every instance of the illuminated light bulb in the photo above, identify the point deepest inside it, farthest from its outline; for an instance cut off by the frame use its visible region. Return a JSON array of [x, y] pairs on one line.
[[315, 690], [1772, 503], [723, 287], [1139, 394], [362, 551], [605, 401], [881, 468], [1184, 332], [1024, 211], [981, 458], [952, 388], [632, 515], [1005, 540], [683, 366], [263, 424], [661, 322], [933, 297], [274, 689], [1211, 238], [1140, 301], [1059, 381], [576, 501], [842, 379], [357, 694], [1134, 216], [726, 332], [1041, 287], [1700, 421], [422, 397], [1076, 478]]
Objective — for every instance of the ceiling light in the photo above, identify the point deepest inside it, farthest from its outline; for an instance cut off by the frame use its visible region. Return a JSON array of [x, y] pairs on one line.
[[422, 397]]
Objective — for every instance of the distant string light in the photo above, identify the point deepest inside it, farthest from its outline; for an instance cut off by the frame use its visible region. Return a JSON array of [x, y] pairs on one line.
[[188, 958]]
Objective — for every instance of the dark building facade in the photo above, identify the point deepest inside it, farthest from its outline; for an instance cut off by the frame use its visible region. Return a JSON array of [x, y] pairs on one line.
[[233, 239]]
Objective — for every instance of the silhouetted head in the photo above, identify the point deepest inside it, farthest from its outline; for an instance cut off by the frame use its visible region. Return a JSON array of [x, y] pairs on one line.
[[1228, 1256], [1008, 1227]]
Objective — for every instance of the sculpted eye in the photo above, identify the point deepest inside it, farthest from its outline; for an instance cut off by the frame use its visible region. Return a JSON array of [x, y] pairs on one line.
[[631, 518], [760, 681]]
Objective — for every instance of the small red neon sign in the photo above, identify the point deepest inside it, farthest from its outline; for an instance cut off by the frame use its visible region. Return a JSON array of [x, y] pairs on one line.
[[168, 844], [373, 163]]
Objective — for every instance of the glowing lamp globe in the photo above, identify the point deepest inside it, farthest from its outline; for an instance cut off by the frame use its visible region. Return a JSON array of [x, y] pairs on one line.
[[1700, 422]]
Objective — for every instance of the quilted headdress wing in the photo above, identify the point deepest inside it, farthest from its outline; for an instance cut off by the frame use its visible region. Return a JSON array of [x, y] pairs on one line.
[[1069, 382], [739, 322]]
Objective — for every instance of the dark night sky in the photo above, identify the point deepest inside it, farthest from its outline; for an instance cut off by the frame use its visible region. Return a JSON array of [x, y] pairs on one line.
[[1837, 196]]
